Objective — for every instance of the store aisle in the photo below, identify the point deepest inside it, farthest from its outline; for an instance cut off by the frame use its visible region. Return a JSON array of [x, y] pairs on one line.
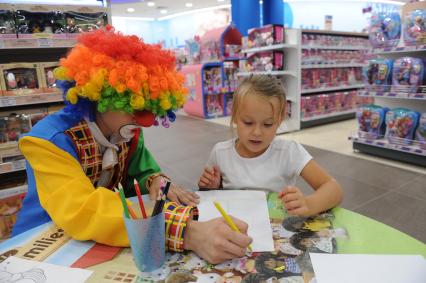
[[391, 195]]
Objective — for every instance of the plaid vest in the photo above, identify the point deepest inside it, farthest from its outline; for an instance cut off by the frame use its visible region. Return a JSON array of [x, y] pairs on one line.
[[90, 157]]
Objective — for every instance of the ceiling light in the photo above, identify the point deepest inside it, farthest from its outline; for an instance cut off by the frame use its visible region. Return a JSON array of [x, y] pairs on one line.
[[163, 11], [130, 10], [188, 5], [151, 4], [220, 0]]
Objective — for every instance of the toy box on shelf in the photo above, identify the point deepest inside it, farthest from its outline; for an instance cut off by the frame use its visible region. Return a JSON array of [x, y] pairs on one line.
[[10, 204], [212, 82], [20, 78], [32, 26]]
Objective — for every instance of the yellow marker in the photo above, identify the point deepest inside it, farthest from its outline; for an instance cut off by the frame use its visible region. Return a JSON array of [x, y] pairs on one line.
[[280, 268], [228, 220]]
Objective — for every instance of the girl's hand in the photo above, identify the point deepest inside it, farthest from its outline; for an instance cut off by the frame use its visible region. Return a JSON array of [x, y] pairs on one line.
[[210, 179], [176, 193], [294, 201]]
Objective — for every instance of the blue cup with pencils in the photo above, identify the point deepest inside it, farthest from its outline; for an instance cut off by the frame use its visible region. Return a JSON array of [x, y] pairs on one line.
[[145, 229]]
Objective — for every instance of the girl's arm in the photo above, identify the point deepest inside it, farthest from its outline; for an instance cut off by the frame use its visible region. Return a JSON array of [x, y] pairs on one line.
[[328, 192]]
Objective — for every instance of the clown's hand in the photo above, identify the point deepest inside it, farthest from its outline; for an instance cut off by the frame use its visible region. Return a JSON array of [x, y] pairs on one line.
[[182, 196], [176, 193]]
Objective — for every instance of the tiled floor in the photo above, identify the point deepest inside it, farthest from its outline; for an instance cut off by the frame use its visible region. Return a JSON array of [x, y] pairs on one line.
[[388, 194]]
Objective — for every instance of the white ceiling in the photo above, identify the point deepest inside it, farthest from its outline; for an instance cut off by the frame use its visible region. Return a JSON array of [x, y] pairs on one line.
[[172, 6]]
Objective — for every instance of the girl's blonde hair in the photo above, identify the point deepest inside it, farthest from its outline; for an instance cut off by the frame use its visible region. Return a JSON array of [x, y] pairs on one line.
[[266, 86]]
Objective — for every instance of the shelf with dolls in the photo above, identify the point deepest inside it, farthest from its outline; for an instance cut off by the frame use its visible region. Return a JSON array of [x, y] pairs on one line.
[[211, 78], [272, 73], [33, 38], [335, 88], [274, 50], [331, 65], [269, 48], [331, 73], [31, 99], [395, 126]]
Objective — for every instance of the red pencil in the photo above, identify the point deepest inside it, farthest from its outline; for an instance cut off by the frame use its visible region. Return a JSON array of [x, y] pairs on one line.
[[138, 193]]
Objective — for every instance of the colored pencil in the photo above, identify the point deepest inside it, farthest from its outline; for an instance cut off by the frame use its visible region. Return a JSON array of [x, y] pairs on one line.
[[124, 203], [138, 193], [131, 211], [228, 220], [161, 200]]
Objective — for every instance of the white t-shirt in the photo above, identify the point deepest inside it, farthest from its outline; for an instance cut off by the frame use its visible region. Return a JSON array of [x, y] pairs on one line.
[[273, 170]]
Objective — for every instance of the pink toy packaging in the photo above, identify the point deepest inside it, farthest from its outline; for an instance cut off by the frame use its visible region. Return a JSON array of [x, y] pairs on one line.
[[408, 74], [266, 61], [266, 35]]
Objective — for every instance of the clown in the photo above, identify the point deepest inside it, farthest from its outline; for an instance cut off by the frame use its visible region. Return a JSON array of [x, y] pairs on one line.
[[113, 86]]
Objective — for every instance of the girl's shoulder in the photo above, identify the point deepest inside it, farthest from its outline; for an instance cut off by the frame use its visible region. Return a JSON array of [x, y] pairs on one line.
[[285, 145], [224, 145]]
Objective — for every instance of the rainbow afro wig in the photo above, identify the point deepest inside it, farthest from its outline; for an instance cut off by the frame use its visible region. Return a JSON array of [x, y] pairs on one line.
[[109, 71]]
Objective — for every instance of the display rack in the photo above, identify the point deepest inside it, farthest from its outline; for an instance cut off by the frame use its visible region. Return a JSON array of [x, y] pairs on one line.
[[404, 150], [289, 75], [211, 84], [351, 48], [37, 51]]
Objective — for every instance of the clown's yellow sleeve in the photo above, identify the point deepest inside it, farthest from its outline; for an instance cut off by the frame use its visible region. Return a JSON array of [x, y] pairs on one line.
[[70, 199]]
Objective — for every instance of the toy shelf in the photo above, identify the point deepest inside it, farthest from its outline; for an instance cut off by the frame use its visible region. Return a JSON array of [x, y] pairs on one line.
[[269, 48], [391, 96], [413, 154], [323, 66], [5, 193], [31, 99], [211, 84], [272, 73], [13, 166], [41, 42], [328, 89]]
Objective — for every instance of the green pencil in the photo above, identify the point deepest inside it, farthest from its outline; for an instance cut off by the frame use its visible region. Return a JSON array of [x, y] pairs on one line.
[[123, 201]]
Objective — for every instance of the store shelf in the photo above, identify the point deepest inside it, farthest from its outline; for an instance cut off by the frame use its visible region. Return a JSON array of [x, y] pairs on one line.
[[8, 145], [12, 166], [330, 47], [332, 32], [323, 66], [268, 48], [327, 118], [43, 42], [381, 147], [272, 73], [30, 99], [400, 49], [5, 193], [390, 94], [325, 89], [328, 115], [234, 58]]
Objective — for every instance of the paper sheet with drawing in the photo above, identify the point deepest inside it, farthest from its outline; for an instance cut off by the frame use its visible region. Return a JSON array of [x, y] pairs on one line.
[[15, 269], [250, 206]]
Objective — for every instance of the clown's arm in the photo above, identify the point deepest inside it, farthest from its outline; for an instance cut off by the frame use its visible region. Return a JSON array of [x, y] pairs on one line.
[[75, 205]]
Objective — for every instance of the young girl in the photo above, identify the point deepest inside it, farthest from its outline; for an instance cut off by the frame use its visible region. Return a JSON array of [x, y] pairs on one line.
[[256, 159]]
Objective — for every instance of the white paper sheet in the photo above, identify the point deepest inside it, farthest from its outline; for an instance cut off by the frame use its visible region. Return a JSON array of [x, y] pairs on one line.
[[249, 206], [355, 268], [15, 269]]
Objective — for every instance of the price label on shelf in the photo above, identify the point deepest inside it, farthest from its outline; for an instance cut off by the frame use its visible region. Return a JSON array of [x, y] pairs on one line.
[[6, 167], [18, 165], [7, 101], [45, 42]]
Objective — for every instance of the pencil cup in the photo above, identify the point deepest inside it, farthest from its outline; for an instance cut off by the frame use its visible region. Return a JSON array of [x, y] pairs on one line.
[[147, 241]]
